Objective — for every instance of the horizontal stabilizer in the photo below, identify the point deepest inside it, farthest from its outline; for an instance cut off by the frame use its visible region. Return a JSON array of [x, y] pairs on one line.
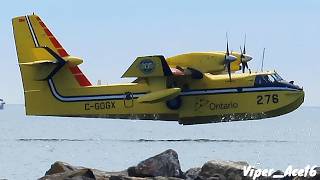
[[44, 69], [41, 62], [158, 96], [73, 61], [46, 63]]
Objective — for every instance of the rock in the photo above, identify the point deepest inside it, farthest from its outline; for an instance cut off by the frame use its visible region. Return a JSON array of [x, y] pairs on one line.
[[166, 178], [132, 171], [140, 178], [79, 174], [165, 164], [61, 167], [277, 172], [221, 170], [120, 177], [61, 170], [192, 173]]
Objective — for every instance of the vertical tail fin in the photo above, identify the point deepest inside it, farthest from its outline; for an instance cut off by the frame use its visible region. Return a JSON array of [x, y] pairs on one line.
[[31, 32], [41, 56]]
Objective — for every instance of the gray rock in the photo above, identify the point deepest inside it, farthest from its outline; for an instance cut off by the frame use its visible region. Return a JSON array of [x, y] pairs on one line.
[[192, 173], [140, 178], [60, 170], [165, 164], [166, 178], [61, 167], [223, 170], [277, 172], [79, 174], [120, 177]]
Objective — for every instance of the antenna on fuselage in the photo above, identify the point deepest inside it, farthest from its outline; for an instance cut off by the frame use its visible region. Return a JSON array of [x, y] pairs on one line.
[[264, 49]]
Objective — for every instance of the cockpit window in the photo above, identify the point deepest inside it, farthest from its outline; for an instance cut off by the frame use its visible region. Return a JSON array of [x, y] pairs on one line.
[[261, 80], [277, 77], [268, 80], [264, 80], [271, 78]]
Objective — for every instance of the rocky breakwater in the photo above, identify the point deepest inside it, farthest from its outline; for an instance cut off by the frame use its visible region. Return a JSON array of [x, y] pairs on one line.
[[165, 166]]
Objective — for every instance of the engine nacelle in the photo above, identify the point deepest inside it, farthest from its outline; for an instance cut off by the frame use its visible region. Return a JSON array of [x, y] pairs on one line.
[[205, 62]]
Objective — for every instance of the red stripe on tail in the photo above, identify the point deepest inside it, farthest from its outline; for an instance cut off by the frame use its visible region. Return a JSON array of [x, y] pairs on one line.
[[77, 73], [62, 52], [42, 24], [47, 31], [82, 79], [55, 43]]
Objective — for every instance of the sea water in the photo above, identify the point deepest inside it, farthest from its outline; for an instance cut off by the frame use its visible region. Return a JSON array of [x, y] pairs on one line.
[[29, 144]]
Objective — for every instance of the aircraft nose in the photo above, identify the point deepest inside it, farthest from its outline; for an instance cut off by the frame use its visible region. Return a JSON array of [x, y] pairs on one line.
[[231, 58], [302, 94]]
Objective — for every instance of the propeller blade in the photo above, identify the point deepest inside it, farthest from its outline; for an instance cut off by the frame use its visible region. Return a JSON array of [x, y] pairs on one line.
[[244, 45], [229, 70], [244, 57], [246, 64], [227, 53], [241, 55], [243, 67], [229, 58]]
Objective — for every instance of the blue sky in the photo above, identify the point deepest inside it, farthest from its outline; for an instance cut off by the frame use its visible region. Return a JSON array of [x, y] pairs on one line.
[[108, 35]]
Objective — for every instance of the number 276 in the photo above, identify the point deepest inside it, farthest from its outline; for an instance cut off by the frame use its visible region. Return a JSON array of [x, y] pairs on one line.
[[267, 98]]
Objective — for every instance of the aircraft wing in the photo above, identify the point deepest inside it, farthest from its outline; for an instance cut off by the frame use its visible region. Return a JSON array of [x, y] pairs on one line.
[[158, 96]]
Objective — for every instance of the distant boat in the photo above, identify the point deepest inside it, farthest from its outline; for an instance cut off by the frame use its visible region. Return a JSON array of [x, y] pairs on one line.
[[2, 103]]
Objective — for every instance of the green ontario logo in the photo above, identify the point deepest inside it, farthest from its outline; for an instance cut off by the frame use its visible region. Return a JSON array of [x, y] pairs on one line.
[[147, 66]]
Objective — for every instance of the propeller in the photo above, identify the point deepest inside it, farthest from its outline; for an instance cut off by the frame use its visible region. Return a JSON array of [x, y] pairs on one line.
[[228, 59], [244, 58]]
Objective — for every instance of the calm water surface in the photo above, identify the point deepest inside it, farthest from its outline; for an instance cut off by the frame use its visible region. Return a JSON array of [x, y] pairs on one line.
[[29, 145]]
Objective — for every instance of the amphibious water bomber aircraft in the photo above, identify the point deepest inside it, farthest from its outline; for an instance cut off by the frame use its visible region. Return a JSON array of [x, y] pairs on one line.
[[192, 88]]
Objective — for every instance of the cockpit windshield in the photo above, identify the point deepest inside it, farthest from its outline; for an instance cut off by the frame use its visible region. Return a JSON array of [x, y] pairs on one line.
[[277, 77], [273, 80], [267, 80]]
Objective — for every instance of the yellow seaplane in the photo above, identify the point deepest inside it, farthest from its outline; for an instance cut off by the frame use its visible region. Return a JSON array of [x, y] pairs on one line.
[[192, 88]]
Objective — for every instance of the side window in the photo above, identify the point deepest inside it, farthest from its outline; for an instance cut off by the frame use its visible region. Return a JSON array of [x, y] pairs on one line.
[[262, 80], [258, 81]]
